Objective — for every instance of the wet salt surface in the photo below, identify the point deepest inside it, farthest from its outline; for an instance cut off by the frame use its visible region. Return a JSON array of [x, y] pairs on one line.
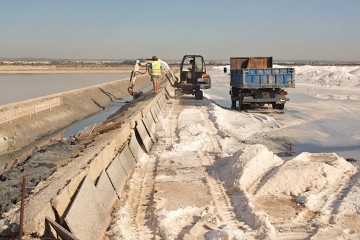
[[20, 87], [339, 133], [322, 130], [333, 135]]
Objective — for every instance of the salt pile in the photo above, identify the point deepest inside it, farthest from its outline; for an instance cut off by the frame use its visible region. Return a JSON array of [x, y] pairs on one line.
[[329, 76], [237, 126], [192, 133], [252, 165], [356, 72], [312, 180], [308, 178]]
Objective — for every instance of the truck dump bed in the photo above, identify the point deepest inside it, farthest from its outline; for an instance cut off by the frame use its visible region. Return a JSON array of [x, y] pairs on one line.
[[254, 73], [263, 78], [250, 62]]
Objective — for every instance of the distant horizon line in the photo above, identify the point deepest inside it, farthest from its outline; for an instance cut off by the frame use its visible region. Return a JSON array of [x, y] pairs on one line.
[[131, 59]]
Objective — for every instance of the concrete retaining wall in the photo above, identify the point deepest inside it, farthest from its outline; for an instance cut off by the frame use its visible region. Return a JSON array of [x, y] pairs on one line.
[[76, 105], [81, 201], [9, 115]]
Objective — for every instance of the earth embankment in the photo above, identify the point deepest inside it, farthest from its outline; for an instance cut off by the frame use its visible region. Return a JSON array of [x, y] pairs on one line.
[[25, 133]]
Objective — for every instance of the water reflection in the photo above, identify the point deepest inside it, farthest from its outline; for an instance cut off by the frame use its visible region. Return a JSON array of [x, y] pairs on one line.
[[112, 108]]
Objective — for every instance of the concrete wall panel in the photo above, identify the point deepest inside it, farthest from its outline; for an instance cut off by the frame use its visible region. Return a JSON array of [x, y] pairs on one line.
[[156, 110], [127, 160], [106, 189], [161, 102], [164, 98], [117, 175], [167, 91], [148, 127], [159, 111], [140, 128], [61, 202], [86, 217], [151, 121], [135, 148], [102, 160], [155, 116]]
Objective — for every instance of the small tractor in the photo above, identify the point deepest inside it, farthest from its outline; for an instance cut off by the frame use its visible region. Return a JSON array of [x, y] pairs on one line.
[[193, 77]]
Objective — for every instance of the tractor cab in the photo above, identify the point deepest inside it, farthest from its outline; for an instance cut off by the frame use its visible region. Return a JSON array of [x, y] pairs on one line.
[[193, 76]]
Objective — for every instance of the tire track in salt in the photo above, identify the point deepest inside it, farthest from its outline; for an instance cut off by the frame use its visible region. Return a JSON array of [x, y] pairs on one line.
[[224, 209], [140, 193], [222, 202], [140, 198]]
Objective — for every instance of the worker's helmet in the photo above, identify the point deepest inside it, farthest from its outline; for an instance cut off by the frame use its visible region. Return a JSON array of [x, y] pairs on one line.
[[154, 58]]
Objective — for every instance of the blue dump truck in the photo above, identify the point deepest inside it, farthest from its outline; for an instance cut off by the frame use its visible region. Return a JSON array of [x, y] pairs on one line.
[[254, 82]]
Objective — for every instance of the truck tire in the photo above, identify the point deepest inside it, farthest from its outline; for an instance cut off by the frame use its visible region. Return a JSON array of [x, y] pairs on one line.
[[280, 106], [241, 105], [234, 94], [199, 95]]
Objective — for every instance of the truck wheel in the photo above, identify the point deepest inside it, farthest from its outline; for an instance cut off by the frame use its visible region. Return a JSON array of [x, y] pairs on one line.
[[241, 105], [278, 106], [233, 104], [234, 93], [199, 95]]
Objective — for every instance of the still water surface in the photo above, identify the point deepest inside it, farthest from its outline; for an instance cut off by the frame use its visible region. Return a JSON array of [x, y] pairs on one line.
[[20, 87]]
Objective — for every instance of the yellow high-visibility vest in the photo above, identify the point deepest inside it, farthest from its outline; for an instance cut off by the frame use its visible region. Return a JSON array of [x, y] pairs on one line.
[[155, 68]]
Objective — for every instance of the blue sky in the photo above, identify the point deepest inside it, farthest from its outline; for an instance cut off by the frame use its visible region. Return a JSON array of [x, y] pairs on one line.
[[292, 29]]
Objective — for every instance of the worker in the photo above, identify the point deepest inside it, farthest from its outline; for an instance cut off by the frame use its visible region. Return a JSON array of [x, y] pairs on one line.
[[190, 74], [191, 68], [155, 72]]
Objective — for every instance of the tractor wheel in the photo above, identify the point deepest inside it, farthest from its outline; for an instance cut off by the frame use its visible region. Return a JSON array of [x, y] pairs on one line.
[[199, 95]]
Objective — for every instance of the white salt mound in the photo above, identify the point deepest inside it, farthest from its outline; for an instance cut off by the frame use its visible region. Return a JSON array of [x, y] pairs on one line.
[[308, 174], [255, 162], [355, 72], [193, 135], [172, 222]]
